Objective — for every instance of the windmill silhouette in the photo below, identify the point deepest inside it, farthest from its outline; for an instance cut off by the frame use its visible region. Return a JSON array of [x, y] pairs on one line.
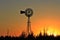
[[28, 13]]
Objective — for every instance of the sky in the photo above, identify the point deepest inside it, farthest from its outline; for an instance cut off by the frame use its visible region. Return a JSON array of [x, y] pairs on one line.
[[46, 15]]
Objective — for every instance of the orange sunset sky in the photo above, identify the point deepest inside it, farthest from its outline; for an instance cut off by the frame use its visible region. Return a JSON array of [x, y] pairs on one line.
[[46, 15]]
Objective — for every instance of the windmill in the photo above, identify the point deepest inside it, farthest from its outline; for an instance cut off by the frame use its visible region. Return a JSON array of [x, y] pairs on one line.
[[28, 13]]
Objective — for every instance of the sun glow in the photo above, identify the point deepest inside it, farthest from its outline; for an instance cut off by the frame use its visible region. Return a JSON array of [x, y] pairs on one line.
[[50, 31], [54, 34]]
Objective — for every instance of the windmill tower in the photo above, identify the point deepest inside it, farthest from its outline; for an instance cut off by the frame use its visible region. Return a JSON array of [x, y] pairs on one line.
[[28, 13]]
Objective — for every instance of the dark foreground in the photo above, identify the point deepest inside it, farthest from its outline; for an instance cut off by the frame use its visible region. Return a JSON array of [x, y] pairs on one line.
[[31, 37]]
